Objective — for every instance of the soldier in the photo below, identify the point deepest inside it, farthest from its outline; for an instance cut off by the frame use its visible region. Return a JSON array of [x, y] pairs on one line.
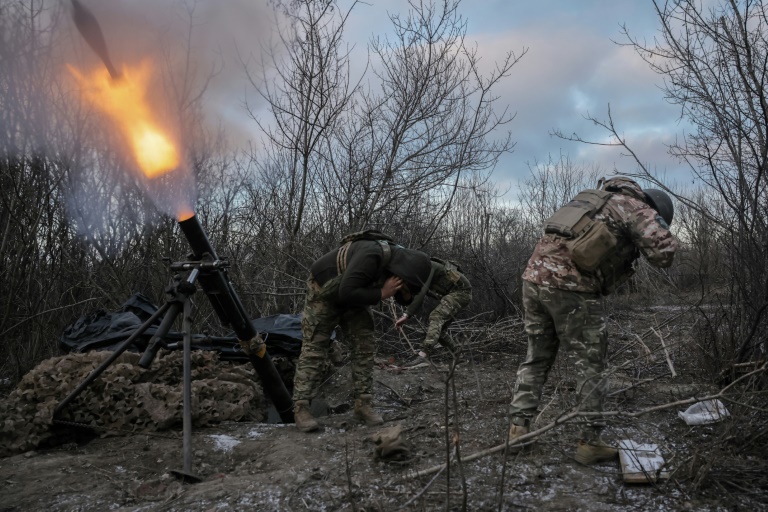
[[342, 285], [588, 249], [447, 284]]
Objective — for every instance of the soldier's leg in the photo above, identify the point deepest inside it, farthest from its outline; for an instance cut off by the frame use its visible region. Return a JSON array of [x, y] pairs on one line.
[[542, 350], [582, 327], [442, 317], [358, 329], [319, 318], [357, 325], [438, 319]]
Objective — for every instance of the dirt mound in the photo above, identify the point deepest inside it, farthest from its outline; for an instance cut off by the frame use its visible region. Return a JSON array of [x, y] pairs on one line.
[[126, 397]]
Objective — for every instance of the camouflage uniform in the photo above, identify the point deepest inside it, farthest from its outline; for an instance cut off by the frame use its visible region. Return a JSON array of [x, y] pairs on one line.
[[321, 316], [563, 304], [343, 298], [454, 291]]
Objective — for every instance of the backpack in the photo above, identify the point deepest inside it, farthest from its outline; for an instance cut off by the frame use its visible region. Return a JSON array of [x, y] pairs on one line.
[[590, 241], [373, 235]]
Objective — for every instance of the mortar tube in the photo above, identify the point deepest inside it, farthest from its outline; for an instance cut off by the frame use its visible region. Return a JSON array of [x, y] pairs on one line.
[[231, 312]]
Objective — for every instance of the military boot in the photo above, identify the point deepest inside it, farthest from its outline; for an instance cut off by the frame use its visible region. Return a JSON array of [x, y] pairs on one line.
[[594, 451], [303, 418], [516, 431], [364, 411]]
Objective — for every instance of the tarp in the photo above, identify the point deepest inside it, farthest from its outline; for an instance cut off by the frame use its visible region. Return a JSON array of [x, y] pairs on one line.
[[102, 330]]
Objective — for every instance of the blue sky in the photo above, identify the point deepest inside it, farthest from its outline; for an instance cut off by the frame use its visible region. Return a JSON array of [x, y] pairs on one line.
[[572, 68]]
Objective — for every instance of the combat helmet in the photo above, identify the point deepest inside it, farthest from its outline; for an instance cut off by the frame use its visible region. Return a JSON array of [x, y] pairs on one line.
[[661, 202]]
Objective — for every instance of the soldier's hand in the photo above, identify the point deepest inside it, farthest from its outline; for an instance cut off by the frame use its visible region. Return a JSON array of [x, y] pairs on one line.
[[400, 321], [391, 286]]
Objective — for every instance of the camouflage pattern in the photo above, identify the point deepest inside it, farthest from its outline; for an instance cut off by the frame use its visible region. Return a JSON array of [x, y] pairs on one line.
[[562, 303], [555, 317], [456, 295], [125, 398], [322, 314], [637, 227]]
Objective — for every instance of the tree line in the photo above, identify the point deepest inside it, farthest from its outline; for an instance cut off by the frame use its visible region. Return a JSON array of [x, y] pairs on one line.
[[408, 146]]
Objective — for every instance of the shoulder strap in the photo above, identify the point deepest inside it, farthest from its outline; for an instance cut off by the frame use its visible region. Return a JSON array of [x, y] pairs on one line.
[[386, 253], [341, 256]]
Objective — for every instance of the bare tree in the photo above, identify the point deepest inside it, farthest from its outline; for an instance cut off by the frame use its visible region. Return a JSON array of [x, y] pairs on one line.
[[430, 124], [714, 61], [306, 88], [715, 64], [551, 185]]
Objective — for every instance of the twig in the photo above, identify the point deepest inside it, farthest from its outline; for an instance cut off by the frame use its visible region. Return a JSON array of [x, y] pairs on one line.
[[666, 353], [348, 472], [27, 319], [529, 437], [400, 398], [421, 493], [504, 464], [400, 330], [457, 436], [648, 352], [631, 386]]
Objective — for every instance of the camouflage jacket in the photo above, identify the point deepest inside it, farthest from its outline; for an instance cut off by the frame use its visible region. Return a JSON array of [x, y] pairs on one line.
[[443, 279], [638, 229]]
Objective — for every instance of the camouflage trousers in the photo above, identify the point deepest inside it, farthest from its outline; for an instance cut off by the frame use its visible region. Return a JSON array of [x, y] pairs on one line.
[[442, 316], [321, 315], [574, 320]]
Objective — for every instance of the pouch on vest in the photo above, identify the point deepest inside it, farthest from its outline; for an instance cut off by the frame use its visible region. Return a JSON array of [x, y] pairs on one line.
[[591, 248], [573, 218], [590, 241]]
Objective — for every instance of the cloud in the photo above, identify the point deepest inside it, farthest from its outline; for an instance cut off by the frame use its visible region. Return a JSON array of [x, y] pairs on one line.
[[572, 71]]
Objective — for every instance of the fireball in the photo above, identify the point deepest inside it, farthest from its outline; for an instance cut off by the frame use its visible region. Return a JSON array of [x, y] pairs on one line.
[[124, 101]]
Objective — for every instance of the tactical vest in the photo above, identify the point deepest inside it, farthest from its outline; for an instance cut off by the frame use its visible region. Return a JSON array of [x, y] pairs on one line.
[[590, 241]]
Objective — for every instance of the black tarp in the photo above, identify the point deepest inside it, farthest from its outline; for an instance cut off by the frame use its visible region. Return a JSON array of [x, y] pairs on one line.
[[102, 330]]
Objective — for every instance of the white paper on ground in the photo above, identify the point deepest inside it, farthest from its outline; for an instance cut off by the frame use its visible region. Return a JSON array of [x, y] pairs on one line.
[[703, 413], [640, 463]]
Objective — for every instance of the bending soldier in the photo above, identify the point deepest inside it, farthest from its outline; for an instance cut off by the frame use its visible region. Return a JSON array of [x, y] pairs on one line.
[[447, 284], [342, 285], [588, 250]]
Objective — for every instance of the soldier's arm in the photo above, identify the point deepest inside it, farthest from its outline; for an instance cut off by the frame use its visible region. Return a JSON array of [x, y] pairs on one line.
[[418, 300], [360, 284], [651, 235]]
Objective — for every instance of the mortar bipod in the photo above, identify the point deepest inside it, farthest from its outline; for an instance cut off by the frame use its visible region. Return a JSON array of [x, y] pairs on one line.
[[178, 301]]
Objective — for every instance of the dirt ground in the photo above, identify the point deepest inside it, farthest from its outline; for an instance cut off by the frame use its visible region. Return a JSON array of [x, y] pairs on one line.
[[271, 466]]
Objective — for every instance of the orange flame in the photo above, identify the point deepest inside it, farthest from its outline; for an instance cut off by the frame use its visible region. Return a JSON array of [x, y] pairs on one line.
[[184, 214], [124, 101]]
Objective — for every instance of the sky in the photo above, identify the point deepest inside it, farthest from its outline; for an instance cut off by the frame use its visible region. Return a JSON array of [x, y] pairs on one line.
[[573, 68]]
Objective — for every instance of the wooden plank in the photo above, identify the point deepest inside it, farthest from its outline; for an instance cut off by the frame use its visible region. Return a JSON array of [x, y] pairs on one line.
[[641, 463]]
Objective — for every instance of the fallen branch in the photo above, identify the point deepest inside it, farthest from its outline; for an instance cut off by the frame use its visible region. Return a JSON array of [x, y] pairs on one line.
[[530, 437], [666, 352], [421, 493]]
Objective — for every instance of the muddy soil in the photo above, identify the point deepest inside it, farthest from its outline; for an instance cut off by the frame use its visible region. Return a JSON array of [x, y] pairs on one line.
[[270, 466]]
